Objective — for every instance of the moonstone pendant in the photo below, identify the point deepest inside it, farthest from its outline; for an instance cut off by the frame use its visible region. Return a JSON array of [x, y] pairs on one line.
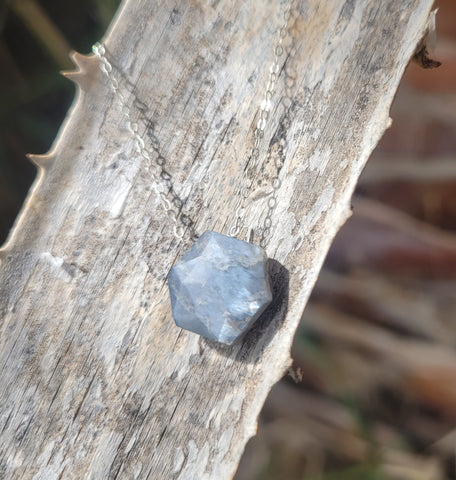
[[219, 287]]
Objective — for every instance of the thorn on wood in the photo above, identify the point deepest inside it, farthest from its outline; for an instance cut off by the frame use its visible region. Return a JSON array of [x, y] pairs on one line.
[[73, 75], [86, 69], [41, 161], [296, 375], [83, 62], [421, 57], [429, 41]]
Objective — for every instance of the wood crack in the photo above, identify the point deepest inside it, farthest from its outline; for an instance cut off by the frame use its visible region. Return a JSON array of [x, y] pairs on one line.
[[174, 402]]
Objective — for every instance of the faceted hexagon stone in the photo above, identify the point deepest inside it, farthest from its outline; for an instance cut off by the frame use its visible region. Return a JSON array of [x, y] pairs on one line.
[[219, 287]]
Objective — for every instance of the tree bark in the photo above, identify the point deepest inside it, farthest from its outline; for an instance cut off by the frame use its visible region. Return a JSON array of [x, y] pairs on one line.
[[96, 380]]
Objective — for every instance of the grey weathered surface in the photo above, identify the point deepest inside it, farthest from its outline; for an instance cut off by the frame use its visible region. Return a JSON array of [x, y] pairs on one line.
[[96, 381]]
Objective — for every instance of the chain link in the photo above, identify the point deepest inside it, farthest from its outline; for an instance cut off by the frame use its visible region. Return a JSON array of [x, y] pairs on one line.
[[263, 117], [162, 180]]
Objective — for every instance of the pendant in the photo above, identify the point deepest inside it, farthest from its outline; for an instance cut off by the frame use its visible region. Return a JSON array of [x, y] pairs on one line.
[[219, 287]]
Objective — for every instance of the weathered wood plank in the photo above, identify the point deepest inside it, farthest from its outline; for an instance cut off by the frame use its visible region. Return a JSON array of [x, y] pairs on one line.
[[96, 380]]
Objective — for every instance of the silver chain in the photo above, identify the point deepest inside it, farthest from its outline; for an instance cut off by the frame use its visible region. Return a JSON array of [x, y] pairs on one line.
[[162, 180], [254, 152]]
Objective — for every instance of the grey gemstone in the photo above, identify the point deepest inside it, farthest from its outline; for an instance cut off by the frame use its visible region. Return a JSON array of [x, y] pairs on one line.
[[219, 287]]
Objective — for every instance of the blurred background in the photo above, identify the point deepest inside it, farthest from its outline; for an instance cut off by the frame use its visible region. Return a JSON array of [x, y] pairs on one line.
[[372, 393]]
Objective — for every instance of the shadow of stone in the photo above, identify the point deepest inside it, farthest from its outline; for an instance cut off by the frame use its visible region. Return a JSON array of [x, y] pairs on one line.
[[249, 347]]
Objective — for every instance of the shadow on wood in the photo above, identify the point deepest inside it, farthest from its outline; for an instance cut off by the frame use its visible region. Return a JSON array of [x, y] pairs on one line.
[[266, 326]]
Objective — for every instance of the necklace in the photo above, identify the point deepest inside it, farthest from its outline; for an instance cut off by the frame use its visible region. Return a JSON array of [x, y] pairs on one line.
[[221, 285]]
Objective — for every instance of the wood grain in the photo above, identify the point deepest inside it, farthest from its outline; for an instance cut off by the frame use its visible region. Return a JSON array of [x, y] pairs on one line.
[[96, 380]]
